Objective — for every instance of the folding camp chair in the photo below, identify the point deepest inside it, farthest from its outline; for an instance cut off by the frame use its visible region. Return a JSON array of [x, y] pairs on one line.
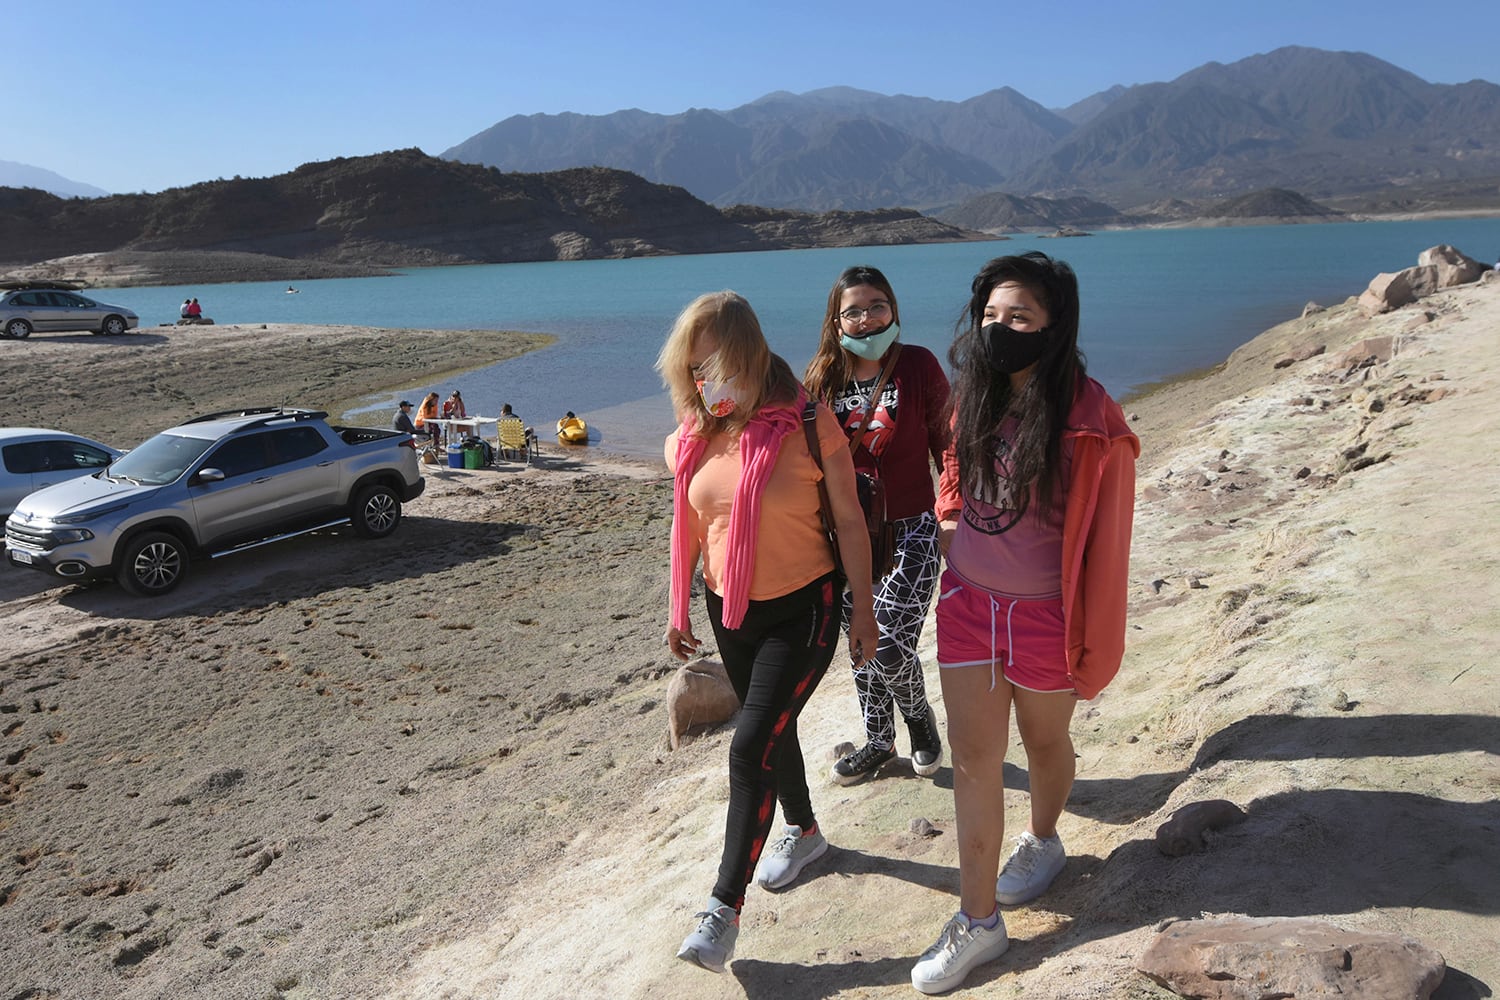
[[512, 439]]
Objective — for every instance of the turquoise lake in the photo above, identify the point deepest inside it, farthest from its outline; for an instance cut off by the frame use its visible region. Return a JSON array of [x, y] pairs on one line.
[[1156, 303]]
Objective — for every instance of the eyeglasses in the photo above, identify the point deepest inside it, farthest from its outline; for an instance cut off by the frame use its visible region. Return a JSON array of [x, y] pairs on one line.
[[877, 312]]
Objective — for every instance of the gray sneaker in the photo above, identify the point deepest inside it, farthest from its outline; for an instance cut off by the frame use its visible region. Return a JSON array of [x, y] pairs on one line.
[[1030, 869], [712, 944], [786, 856], [959, 948]]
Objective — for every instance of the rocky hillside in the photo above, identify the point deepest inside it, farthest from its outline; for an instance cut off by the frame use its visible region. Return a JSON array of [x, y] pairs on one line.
[[405, 208]]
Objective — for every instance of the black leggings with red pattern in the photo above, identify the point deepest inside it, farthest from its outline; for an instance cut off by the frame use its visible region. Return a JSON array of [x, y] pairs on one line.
[[775, 660]]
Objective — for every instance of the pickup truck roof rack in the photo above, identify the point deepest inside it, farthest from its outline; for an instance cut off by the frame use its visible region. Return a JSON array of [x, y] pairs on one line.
[[266, 413]]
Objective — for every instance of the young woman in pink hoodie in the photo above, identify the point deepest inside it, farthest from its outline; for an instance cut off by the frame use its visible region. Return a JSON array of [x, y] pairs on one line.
[[1034, 508]]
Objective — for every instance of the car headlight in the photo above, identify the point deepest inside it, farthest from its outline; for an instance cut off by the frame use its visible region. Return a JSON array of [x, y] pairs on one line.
[[88, 515], [72, 534]]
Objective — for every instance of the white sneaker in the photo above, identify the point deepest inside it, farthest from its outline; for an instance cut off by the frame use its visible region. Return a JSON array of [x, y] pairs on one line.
[[786, 856], [712, 944], [958, 949], [1030, 869]]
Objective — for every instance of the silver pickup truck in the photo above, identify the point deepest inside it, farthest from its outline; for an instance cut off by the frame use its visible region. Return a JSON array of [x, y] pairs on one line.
[[217, 484]]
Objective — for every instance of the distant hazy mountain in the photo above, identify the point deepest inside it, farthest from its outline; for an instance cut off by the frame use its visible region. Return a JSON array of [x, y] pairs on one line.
[[1000, 213], [23, 175], [1322, 123], [827, 149], [1318, 122]]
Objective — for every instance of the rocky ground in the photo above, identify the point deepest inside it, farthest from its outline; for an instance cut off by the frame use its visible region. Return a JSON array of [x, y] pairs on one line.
[[437, 765]]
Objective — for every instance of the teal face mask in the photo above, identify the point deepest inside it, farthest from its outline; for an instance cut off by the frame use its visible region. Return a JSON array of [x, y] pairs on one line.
[[873, 346]]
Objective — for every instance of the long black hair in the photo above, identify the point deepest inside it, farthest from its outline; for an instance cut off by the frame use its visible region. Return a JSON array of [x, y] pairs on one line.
[[983, 397]]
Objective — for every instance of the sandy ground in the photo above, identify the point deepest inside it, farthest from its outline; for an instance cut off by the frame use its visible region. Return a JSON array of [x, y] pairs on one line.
[[436, 765]]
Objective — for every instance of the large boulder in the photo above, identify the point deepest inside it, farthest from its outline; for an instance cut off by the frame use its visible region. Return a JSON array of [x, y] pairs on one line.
[[1252, 958], [1453, 267], [1392, 291]]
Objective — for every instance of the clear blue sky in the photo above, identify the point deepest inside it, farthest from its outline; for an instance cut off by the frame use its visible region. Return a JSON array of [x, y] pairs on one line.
[[147, 95]]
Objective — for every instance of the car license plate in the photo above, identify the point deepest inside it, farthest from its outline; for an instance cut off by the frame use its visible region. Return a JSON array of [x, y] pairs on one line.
[[20, 556]]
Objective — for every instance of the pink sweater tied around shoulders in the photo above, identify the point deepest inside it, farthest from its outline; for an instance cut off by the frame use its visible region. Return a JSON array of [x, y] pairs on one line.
[[760, 443]]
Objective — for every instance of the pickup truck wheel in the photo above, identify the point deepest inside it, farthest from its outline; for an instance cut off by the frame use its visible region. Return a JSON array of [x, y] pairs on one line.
[[152, 564], [377, 511]]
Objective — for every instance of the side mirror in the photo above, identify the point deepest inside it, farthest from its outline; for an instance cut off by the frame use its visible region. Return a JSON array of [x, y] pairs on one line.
[[209, 476]]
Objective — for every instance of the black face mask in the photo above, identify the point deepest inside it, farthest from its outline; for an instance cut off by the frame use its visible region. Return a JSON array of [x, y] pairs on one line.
[[1010, 351]]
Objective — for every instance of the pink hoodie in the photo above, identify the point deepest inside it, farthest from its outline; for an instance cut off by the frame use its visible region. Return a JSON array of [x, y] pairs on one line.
[[1096, 534]]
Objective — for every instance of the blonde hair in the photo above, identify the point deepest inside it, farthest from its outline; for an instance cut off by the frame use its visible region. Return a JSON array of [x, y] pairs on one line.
[[760, 377]]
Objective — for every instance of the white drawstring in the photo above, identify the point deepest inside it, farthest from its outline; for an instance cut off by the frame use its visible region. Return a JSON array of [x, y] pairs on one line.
[[1010, 645]]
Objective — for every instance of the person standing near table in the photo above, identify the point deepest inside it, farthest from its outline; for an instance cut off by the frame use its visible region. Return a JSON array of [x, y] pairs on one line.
[[904, 434], [1034, 507], [746, 505]]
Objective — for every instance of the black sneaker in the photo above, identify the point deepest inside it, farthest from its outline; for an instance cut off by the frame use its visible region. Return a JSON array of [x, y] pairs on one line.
[[853, 768], [926, 745]]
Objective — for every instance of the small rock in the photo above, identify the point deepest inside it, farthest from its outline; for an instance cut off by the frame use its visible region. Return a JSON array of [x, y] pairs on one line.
[[1183, 832], [699, 694], [1302, 473], [1157, 584], [923, 828], [1196, 583], [843, 749]]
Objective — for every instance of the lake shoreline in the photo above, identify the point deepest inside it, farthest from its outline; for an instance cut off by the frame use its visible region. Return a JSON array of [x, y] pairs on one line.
[[136, 268]]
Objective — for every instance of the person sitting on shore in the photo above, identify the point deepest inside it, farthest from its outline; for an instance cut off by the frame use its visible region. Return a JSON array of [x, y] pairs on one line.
[[194, 310], [429, 411], [453, 407], [182, 313], [506, 412], [402, 421]]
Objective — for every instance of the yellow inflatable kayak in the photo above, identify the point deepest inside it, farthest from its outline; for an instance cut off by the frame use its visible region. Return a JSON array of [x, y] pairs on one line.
[[572, 430]]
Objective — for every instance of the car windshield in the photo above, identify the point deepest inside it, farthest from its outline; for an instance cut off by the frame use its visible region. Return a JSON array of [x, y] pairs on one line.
[[160, 460]]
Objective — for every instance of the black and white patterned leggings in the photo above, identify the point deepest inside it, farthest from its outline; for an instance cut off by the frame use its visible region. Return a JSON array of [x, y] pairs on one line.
[[892, 681]]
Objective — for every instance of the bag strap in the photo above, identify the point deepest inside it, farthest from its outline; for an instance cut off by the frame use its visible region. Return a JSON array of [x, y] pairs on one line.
[[810, 428], [885, 376]]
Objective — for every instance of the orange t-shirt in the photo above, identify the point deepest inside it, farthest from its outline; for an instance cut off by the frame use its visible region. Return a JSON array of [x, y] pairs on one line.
[[791, 548]]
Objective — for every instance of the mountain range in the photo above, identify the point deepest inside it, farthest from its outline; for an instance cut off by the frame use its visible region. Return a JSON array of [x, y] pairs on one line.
[[1325, 124]]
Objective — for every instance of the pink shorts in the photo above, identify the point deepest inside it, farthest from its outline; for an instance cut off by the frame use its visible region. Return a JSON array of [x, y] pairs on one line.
[[1026, 639]]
